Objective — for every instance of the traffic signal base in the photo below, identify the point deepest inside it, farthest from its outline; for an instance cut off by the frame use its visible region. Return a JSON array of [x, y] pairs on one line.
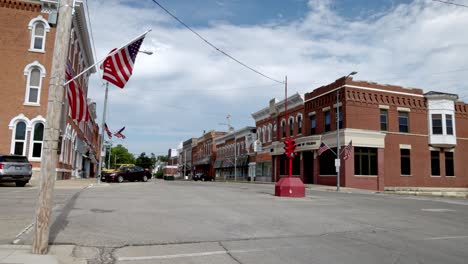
[[290, 187]]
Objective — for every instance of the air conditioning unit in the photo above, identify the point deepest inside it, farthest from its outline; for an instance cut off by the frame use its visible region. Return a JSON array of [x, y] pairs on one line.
[[52, 18]]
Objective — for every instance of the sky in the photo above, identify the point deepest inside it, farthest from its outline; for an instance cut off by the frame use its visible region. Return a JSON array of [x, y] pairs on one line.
[[187, 87]]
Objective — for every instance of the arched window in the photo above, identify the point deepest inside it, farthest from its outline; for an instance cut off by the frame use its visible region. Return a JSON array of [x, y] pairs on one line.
[[38, 27], [34, 72], [299, 124], [19, 145], [291, 126], [283, 127], [263, 134], [270, 127], [37, 137]]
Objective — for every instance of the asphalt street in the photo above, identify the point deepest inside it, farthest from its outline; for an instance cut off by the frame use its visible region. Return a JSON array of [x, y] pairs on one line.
[[206, 222]]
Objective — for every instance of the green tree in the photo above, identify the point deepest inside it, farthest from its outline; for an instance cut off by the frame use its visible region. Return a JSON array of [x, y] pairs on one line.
[[120, 155], [163, 158], [144, 161]]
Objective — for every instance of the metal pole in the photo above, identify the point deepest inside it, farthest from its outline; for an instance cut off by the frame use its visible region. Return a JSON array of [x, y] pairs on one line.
[[235, 158], [338, 141], [185, 162], [109, 157], [102, 133], [52, 128]]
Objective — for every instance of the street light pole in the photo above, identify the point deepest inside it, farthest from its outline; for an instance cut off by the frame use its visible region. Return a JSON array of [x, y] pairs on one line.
[[235, 158], [338, 156]]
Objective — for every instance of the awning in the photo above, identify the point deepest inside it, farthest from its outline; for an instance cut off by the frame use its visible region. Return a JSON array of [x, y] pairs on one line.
[[203, 161], [218, 164]]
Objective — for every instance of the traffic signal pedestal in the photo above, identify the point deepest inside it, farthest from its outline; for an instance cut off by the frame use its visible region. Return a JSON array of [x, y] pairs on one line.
[[290, 186]]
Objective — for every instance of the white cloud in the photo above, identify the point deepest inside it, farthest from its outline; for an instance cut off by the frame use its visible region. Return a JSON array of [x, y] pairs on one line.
[[187, 87]]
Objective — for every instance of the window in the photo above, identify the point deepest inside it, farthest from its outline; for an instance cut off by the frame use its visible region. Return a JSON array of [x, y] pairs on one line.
[[299, 124], [37, 139], [327, 163], [435, 163], [20, 139], [38, 27], [283, 127], [33, 86], [269, 132], [449, 166], [263, 134], [383, 119], [38, 36], [365, 161], [327, 121], [340, 116], [34, 73], [449, 124], [437, 124], [313, 124], [403, 121], [405, 162], [291, 127]]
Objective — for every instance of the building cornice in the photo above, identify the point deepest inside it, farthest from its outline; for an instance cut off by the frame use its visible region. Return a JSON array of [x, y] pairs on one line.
[[23, 5]]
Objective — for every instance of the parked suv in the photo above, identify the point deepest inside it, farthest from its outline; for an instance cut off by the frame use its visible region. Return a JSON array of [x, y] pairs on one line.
[[15, 169]]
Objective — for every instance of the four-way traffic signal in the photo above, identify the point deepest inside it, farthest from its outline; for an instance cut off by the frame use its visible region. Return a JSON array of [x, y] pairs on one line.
[[290, 147]]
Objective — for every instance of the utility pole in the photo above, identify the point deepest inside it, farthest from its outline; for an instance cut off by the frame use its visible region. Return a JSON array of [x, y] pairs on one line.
[[52, 128], [338, 159]]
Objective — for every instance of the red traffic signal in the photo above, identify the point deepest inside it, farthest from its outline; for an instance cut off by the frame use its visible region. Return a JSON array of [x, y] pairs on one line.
[[289, 147]]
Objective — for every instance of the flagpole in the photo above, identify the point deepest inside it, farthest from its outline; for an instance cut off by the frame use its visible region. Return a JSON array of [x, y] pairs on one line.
[[102, 134], [112, 53]]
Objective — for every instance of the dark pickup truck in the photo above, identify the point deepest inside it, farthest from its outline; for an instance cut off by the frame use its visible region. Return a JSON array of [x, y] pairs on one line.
[[15, 169]]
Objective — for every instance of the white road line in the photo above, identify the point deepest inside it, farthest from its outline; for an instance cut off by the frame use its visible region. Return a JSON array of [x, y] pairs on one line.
[[202, 254], [25, 230], [447, 237]]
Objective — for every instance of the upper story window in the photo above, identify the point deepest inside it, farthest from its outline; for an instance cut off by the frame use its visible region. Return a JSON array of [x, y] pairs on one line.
[[34, 72], [283, 127], [327, 120], [264, 134], [299, 124], [403, 121], [437, 125], [383, 119], [291, 127], [270, 128], [39, 28], [313, 124], [449, 124]]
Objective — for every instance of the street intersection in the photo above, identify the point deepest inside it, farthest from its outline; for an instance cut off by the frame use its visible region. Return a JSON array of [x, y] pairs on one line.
[[205, 222]]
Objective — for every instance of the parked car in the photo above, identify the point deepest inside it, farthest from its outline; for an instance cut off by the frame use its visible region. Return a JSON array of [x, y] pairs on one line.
[[202, 177], [15, 169], [127, 173]]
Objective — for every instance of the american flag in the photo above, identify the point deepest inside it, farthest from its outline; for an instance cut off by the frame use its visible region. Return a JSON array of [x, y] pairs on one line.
[[347, 150], [77, 102], [119, 67], [323, 148], [109, 134], [119, 133]]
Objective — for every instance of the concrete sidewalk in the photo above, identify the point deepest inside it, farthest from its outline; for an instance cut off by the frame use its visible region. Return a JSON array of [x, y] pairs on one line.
[[22, 254], [71, 183]]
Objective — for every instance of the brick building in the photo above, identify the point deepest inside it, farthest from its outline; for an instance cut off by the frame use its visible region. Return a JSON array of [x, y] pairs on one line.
[[185, 157], [273, 126], [204, 153], [401, 137], [28, 34], [234, 151]]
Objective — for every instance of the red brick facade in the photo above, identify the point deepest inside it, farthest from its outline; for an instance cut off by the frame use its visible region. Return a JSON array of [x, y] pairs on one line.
[[27, 45]]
